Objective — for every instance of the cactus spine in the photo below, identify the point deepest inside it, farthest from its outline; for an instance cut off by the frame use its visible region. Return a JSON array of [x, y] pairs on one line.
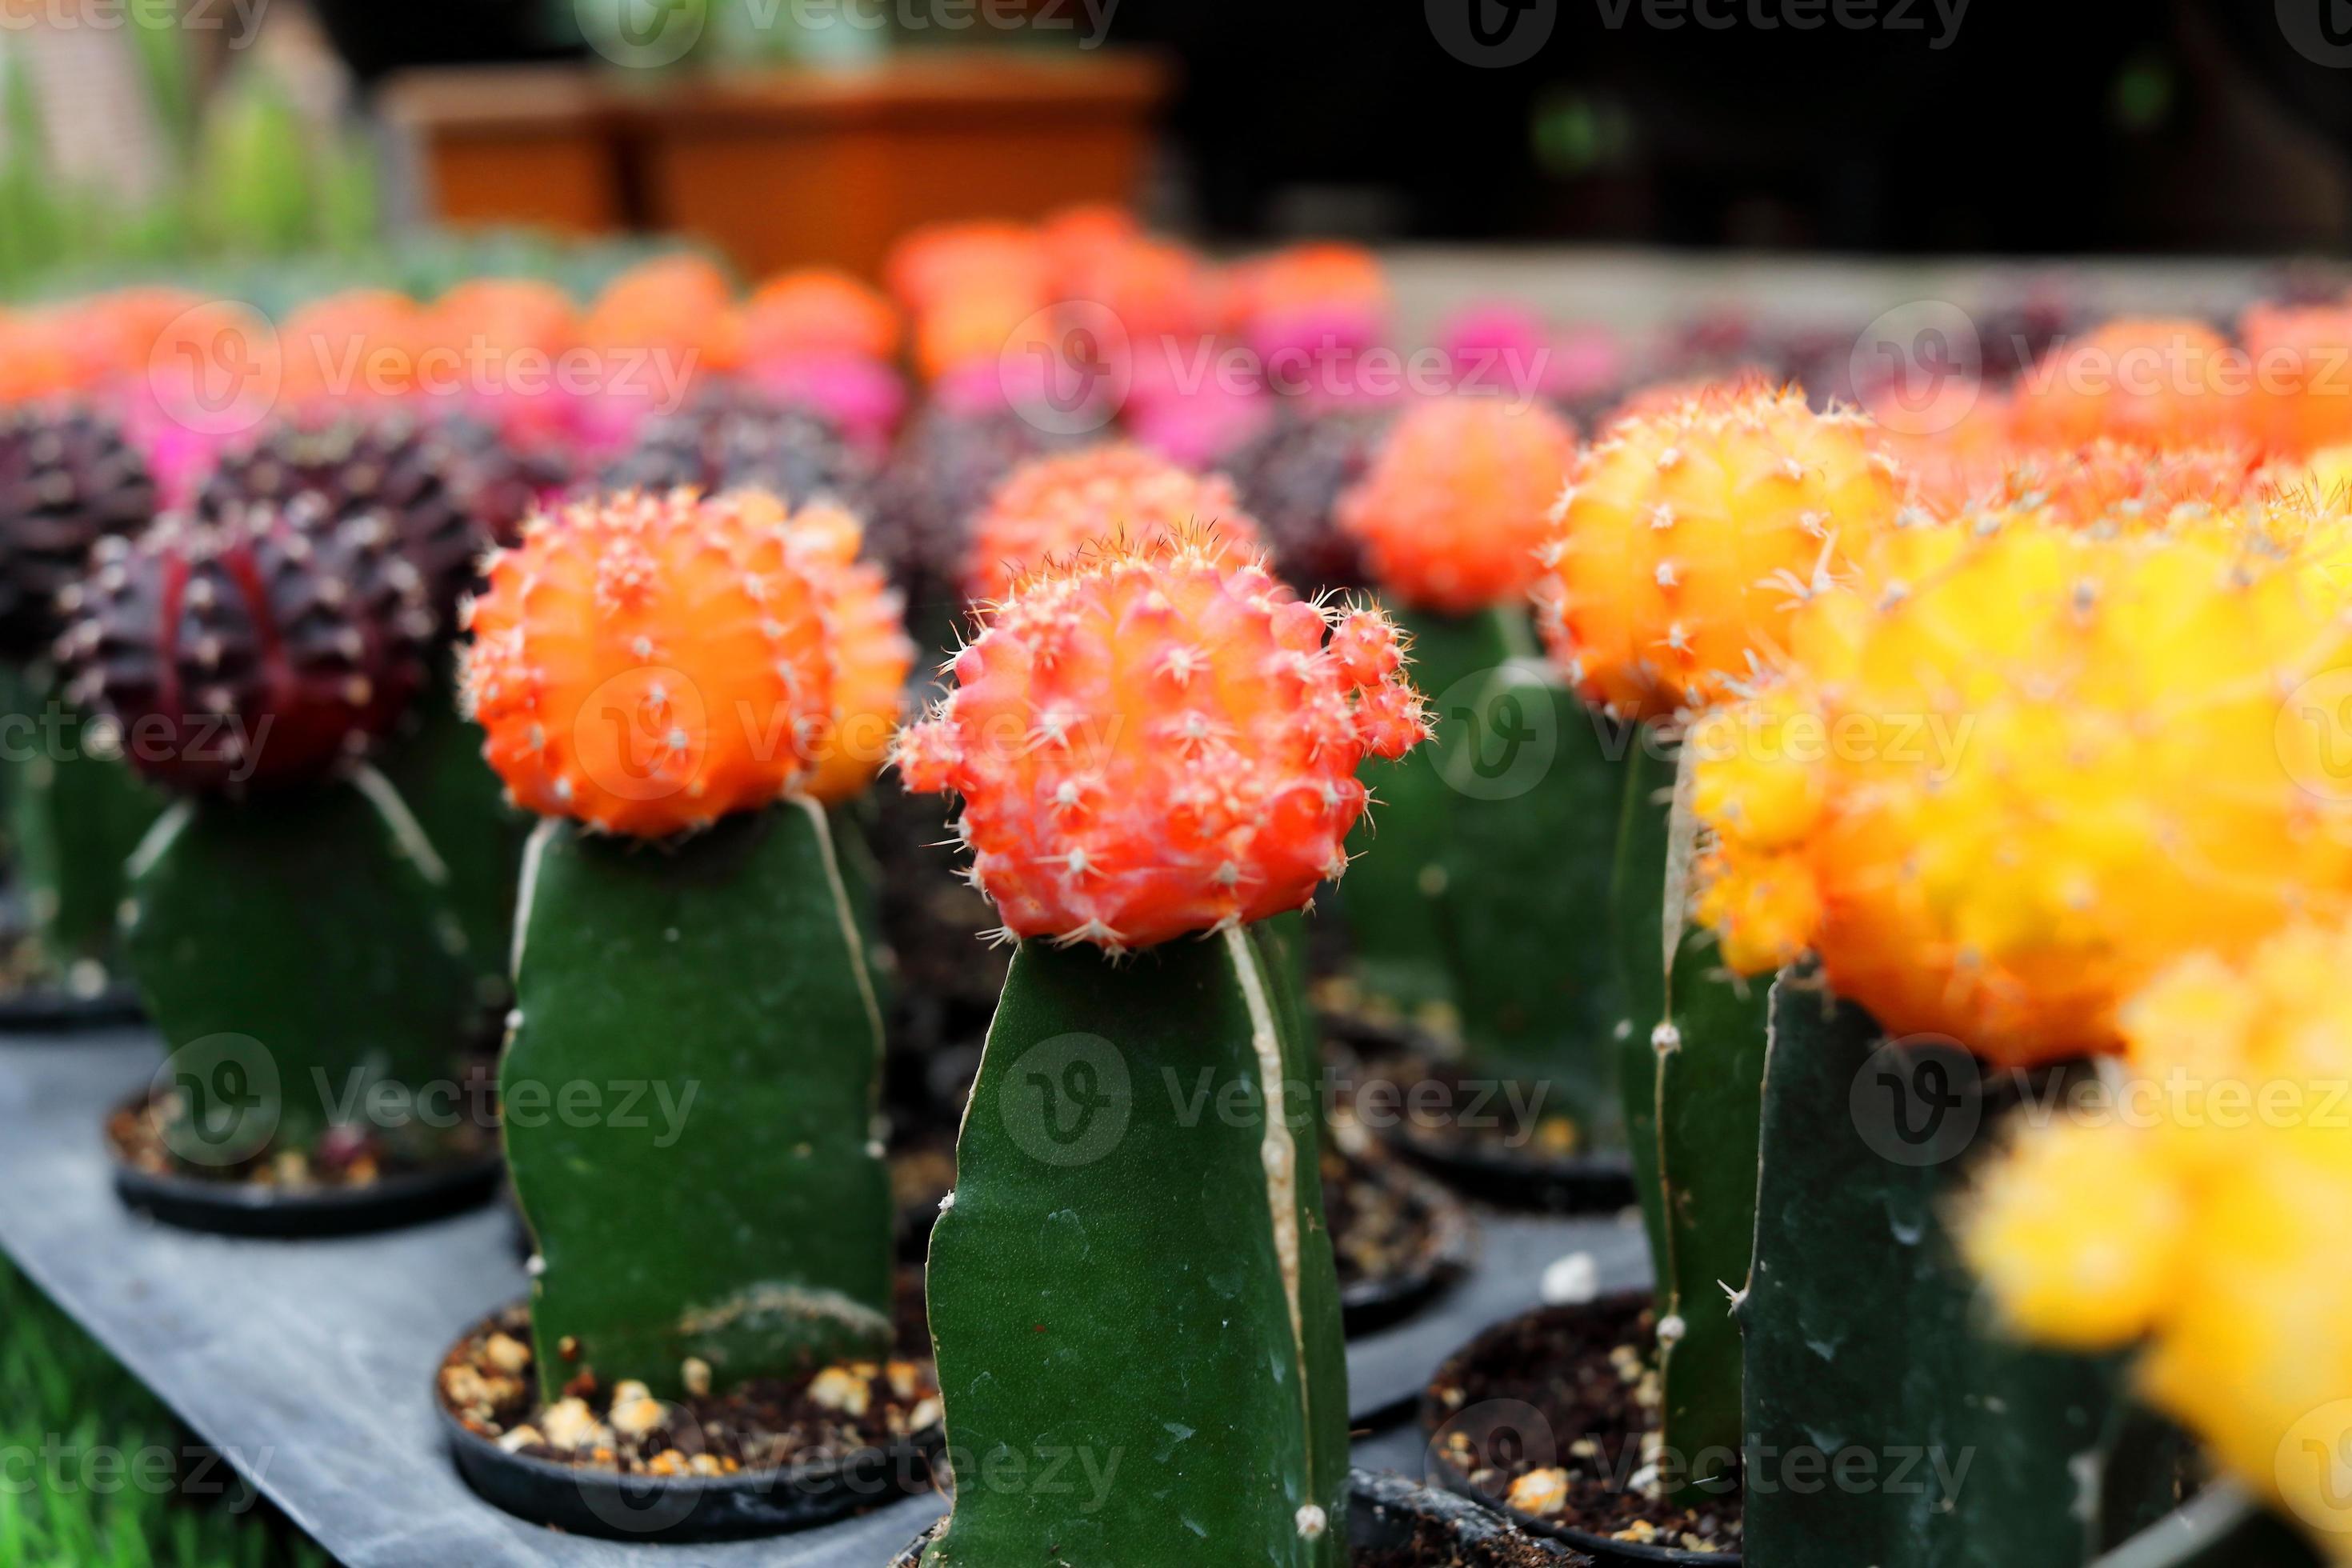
[[723, 977], [1174, 1305]]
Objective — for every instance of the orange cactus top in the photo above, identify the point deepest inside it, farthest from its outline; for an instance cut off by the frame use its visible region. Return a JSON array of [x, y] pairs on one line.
[[2156, 383], [818, 311], [871, 651], [1458, 499], [1686, 537], [506, 316], [674, 304], [649, 663], [1050, 508], [1156, 740], [358, 344]]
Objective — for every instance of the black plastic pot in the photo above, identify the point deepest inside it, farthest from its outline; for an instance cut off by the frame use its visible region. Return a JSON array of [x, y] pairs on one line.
[[1521, 1179], [1435, 1414], [686, 1509], [49, 1008], [236, 1208], [1369, 1305], [1390, 1514]]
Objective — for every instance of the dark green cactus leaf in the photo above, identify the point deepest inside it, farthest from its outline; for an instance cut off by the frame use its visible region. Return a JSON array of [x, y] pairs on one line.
[[436, 765], [1522, 776], [861, 876], [738, 1210], [1707, 1071], [313, 923], [1395, 886], [1637, 886], [1866, 1343], [76, 812], [2223, 1529], [1132, 1373]]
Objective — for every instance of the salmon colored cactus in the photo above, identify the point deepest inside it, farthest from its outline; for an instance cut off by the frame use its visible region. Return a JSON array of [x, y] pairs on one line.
[[2004, 782], [2302, 358], [2112, 485], [1052, 507], [678, 305], [1457, 503], [506, 316], [1686, 539], [2198, 1220], [649, 663], [871, 651], [818, 311], [2150, 383], [1155, 742], [932, 263], [361, 345]]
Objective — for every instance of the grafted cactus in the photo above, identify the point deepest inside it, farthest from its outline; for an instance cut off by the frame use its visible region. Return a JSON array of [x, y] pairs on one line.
[[663, 676], [1052, 506], [1448, 927], [2094, 809], [249, 665], [1155, 748], [67, 481], [1681, 541]]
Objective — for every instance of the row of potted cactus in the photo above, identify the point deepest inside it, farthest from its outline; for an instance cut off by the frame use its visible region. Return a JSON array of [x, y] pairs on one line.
[[1980, 759]]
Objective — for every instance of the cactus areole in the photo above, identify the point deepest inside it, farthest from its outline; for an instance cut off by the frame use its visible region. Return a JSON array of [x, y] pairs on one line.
[[1155, 747], [659, 677]]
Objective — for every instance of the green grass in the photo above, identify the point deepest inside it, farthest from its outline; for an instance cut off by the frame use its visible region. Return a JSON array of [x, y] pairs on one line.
[[94, 1472]]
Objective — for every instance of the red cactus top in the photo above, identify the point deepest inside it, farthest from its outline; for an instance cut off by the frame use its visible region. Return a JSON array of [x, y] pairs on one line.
[[1458, 501], [1152, 740], [1053, 506]]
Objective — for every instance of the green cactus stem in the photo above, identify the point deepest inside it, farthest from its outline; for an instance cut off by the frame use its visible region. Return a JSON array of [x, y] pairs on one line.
[[1692, 1059], [1134, 1272], [311, 922], [748, 1226], [2223, 1529], [434, 760], [1448, 915], [76, 812], [1866, 1337]]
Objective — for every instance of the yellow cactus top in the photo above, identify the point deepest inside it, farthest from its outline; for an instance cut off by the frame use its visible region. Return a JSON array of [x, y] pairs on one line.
[[1689, 534], [2201, 1211], [2007, 777]]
